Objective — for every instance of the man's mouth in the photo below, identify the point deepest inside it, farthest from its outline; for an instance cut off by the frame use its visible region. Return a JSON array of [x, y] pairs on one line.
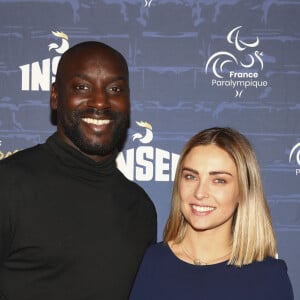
[[96, 121]]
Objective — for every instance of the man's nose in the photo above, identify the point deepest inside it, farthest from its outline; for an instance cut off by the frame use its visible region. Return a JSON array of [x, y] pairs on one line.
[[99, 99]]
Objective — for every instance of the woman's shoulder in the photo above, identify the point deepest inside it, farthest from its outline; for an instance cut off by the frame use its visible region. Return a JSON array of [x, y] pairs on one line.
[[160, 253], [271, 275], [267, 269], [270, 263], [157, 250], [270, 271]]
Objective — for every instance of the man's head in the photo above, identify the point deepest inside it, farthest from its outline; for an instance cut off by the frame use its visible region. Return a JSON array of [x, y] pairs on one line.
[[91, 97]]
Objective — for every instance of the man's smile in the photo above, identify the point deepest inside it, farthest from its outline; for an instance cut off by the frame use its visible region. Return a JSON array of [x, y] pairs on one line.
[[96, 121]]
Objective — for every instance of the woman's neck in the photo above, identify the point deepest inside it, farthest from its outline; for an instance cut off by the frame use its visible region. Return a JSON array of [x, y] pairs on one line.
[[206, 247]]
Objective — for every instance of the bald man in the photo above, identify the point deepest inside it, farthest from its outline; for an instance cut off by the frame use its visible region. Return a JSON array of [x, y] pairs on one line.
[[71, 225]]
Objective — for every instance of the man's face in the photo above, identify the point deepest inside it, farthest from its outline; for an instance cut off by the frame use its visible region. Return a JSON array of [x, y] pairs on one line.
[[91, 97]]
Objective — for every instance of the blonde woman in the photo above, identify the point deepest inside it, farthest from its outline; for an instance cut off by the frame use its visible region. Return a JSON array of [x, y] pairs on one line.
[[219, 241]]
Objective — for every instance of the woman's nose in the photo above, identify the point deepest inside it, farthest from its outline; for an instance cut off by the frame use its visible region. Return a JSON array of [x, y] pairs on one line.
[[201, 191]]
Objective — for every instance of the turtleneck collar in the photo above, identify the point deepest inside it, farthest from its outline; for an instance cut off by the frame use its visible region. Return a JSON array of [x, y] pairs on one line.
[[77, 163]]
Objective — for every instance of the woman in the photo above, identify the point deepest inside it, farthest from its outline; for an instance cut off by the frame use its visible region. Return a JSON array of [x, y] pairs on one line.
[[218, 241]]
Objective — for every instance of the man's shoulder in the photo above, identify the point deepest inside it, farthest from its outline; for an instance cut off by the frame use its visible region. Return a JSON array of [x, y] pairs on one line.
[[21, 159], [135, 193], [25, 154], [129, 184]]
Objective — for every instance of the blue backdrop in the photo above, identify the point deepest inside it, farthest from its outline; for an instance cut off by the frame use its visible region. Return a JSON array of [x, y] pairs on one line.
[[193, 64]]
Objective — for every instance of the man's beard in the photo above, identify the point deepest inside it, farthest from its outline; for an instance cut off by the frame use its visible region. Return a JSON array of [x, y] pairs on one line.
[[117, 136]]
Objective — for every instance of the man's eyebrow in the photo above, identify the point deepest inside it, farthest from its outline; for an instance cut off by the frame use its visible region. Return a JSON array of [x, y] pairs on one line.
[[113, 78], [210, 173], [82, 76]]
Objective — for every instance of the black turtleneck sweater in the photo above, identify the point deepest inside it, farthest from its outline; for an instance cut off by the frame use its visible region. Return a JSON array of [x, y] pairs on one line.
[[70, 228]]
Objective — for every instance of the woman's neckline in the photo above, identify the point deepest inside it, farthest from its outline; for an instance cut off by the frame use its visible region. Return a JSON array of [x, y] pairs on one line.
[[179, 259]]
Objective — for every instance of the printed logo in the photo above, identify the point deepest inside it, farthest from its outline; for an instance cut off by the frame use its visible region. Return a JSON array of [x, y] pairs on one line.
[[234, 72], [295, 155], [6, 154], [39, 75], [145, 162], [148, 3]]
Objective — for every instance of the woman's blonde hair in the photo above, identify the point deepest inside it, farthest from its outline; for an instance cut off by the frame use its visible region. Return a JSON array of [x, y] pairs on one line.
[[252, 230]]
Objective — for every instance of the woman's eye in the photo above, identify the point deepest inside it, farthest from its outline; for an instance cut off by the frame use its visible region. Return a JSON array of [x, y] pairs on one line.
[[189, 177], [220, 180]]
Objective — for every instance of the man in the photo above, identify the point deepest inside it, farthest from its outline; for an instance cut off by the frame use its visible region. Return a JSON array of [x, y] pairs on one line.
[[71, 225]]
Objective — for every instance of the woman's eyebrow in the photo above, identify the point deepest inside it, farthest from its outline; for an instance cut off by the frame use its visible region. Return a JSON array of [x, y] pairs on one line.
[[190, 170], [210, 173], [220, 173]]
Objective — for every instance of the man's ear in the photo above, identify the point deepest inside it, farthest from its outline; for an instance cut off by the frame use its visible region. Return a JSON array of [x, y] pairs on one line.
[[53, 96]]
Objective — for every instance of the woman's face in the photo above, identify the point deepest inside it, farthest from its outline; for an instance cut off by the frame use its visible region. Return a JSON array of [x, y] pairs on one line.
[[208, 189]]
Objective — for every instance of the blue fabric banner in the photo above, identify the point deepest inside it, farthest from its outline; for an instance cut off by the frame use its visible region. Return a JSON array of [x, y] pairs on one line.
[[193, 64]]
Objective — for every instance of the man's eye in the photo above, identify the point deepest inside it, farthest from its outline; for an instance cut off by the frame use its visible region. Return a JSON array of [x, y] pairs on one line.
[[115, 89], [81, 87]]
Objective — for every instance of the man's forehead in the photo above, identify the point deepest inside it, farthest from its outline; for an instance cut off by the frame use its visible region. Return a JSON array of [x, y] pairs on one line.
[[92, 58]]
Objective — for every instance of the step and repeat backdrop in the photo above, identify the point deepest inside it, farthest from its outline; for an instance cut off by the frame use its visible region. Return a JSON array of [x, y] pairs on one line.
[[193, 64]]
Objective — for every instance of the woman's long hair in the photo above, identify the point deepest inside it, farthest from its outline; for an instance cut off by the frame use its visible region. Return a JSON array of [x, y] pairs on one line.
[[253, 237]]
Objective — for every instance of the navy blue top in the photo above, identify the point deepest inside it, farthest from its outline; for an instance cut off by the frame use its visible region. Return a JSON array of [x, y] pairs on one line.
[[164, 276]]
